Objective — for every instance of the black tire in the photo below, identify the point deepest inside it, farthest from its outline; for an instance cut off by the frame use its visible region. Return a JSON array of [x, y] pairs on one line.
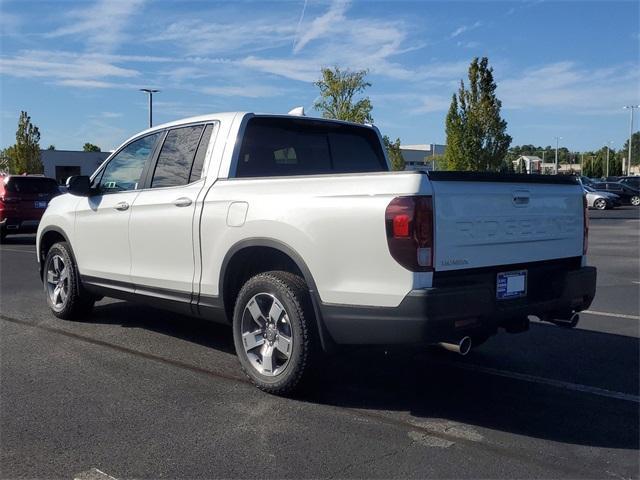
[[600, 204], [78, 302], [3, 235], [292, 293], [635, 200]]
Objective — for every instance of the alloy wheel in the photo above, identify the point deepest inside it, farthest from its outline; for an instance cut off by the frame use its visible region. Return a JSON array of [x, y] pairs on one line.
[[267, 337], [57, 281]]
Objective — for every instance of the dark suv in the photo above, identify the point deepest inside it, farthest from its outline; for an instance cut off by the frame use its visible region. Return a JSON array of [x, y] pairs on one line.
[[633, 181], [23, 200]]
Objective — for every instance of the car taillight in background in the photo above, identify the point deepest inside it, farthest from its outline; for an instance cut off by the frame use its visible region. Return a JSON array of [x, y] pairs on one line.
[[409, 224], [585, 227]]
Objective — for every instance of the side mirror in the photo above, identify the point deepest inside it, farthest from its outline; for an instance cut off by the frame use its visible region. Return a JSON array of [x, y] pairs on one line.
[[79, 185]]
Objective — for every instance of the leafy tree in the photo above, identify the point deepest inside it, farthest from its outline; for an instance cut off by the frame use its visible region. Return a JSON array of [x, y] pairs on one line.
[[90, 147], [635, 148], [24, 156], [394, 153], [476, 133], [51, 147], [338, 92]]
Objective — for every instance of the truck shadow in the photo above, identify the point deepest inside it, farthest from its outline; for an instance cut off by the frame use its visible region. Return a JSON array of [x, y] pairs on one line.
[[432, 385]]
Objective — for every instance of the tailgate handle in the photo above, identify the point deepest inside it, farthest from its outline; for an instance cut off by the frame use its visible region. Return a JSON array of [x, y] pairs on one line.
[[521, 198]]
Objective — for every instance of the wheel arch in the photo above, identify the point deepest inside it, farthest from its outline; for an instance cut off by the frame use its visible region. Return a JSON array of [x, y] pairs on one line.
[[47, 238], [281, 253]]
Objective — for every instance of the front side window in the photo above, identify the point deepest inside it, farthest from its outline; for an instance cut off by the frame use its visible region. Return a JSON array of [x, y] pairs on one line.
[[176, 157], [124, 171]]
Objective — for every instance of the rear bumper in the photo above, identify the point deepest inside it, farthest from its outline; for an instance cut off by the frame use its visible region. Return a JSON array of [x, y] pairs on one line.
[[443, 314]]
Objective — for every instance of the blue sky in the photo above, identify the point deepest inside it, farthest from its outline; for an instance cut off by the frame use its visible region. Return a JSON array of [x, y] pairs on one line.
[[563, 68]]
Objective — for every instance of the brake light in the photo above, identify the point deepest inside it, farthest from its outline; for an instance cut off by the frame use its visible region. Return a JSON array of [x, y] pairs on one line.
[[585, 225], [409, 225]]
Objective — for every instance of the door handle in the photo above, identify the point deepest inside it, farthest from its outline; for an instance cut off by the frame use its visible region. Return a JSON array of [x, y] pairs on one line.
[[122, 206], [182, 202]]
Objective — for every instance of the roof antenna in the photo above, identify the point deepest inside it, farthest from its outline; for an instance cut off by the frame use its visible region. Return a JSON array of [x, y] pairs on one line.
[[298, 112]]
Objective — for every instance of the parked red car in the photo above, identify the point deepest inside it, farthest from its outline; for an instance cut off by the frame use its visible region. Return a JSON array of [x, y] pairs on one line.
[[23, 200]]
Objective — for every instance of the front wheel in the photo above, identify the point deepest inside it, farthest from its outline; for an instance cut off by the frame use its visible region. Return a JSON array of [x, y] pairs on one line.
[[65, 295], [274, 331], [600, 204], [635, 200]]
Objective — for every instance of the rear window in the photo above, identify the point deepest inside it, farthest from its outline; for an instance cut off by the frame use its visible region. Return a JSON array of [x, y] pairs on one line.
[[284, 146], [32, 185]]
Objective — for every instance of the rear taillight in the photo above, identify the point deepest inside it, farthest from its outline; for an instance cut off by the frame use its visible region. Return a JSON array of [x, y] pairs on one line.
[[585, 225], [409, 223]]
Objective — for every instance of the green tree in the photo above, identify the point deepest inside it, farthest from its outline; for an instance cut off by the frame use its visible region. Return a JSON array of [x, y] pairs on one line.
[[339, 90], [394, 153], [635, 148], [51, 147], [476, 133], [90, 147], [24, 156]]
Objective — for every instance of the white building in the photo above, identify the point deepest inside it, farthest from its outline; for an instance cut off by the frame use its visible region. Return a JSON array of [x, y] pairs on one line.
[[421, 157], [532, 164], [61, 164]]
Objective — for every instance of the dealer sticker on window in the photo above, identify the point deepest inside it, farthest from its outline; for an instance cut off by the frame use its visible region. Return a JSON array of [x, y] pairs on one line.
[[511, 284]]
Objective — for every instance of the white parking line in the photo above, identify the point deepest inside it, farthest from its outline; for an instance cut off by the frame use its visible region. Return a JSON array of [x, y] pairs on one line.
[[576, 387], [609, 314], [93, 474]]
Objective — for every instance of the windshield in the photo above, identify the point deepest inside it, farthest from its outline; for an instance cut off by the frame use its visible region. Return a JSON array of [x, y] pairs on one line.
[[32, 185]]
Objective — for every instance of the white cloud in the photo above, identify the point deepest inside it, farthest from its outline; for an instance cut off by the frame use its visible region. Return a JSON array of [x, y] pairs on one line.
[[102, 24], [206, 37], [323, 25], [566, 86], [464, 28], [63, 67], [248, 91]]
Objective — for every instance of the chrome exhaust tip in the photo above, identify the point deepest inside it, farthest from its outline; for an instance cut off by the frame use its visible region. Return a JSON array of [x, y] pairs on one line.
[[569, 321], [462, 347]]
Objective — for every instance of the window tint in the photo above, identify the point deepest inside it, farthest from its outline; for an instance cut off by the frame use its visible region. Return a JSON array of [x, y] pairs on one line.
[[31, 185], [176, 157], [198, 162], [285, 146], [123, 171]]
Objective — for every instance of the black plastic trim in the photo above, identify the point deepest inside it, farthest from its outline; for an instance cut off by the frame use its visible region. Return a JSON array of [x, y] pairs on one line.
[[449, 176], [325, 337], [428, 315]]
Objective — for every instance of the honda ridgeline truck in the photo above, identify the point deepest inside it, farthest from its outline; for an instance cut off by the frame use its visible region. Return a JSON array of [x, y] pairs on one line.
[[294, 231]]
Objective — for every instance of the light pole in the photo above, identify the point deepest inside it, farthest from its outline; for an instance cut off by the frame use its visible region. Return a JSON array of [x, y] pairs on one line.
[[150, 92], [608, 143], [557, 140], [630, 107]]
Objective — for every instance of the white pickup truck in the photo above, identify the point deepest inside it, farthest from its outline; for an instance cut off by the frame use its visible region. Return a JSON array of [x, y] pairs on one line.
[[294, 231]]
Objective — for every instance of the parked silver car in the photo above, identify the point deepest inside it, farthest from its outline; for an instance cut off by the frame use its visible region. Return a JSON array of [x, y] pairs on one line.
[[600, 200]]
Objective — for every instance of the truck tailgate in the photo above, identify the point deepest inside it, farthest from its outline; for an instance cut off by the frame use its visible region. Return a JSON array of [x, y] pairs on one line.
[[487, 219]]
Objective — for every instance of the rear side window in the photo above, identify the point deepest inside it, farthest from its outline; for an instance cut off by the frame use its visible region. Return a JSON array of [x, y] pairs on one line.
[[198, 162], [176, 157], [285, 146], [31, 185]]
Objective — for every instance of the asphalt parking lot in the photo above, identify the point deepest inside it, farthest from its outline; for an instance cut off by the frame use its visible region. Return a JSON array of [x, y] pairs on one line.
[[139, 393]]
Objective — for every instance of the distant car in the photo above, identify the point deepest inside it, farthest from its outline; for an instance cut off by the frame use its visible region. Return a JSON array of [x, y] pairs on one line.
[[23, 200], [633, 182], [600, 200], [628, 195], [586, 180]]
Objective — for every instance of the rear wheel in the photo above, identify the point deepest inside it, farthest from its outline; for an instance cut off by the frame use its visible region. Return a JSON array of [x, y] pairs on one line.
[[600, 204], [65, 295], [635, 200], [274, 331], [3, 235]]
